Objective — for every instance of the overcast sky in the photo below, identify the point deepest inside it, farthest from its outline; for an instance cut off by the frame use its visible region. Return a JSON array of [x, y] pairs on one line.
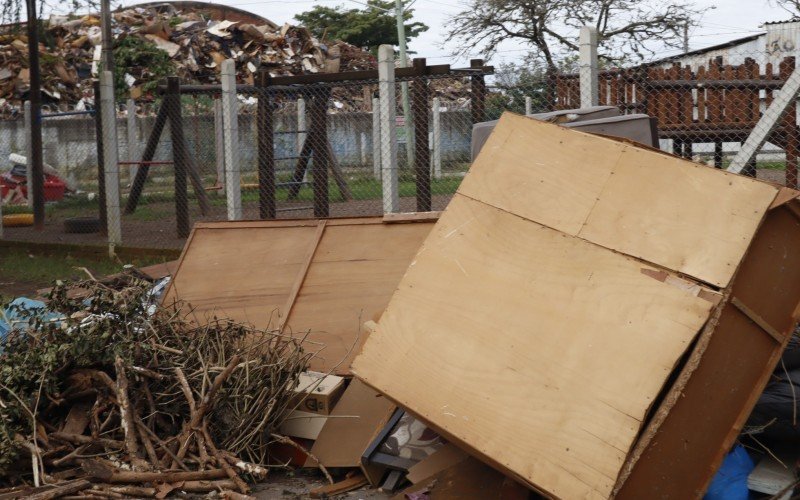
[[729, 20]]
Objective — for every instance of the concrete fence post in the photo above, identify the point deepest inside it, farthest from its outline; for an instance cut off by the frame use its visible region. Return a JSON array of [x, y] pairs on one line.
[[110, 161], [28, 152], [528, 105], [588, 67], [133, 143], [388, 125], [437, 139], [219, 144], [301, 130], [376, 138], [230, 117]]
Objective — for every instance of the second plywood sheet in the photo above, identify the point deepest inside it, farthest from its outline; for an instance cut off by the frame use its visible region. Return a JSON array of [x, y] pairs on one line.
[[536, 350], [320, 280]]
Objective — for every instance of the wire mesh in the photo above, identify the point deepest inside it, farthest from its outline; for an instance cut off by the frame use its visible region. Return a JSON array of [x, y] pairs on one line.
[[337, 149]]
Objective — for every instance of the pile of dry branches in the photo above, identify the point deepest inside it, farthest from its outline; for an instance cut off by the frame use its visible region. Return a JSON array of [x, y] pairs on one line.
[[121, 397]]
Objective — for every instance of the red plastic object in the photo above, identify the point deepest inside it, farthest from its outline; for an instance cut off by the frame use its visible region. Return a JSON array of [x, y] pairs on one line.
[[53, 186]]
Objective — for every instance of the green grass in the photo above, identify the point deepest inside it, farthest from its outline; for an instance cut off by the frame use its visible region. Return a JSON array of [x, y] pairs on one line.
[[19, 265], [362, 187]]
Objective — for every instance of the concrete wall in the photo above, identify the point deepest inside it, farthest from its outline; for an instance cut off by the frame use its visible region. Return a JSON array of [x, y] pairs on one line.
[[69, 142]]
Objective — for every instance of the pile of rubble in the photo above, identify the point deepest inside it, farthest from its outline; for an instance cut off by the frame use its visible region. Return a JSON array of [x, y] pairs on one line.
[[195, 48]]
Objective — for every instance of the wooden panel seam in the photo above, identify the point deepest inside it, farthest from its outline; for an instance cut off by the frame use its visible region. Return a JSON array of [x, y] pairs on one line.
[[758, 320], [301, 277], [692, 279]]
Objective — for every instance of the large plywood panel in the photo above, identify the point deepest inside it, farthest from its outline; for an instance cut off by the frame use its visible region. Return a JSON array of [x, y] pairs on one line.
[[681, 215], [353, 274], [729, 374], [538, 351], [241, 272], [638, 201]]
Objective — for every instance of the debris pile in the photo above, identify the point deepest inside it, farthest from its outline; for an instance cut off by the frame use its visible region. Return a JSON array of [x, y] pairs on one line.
[[106, 392], [185, 44]]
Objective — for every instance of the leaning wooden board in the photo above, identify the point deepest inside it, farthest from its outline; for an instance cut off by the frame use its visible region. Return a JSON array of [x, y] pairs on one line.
[[570, 276], [316, 279]]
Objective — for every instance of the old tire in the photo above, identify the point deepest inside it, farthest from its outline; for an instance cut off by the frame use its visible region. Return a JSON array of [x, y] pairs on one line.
[[83, 225]]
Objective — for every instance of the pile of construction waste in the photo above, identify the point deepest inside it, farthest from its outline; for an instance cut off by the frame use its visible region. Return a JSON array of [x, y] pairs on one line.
[[158, 42]]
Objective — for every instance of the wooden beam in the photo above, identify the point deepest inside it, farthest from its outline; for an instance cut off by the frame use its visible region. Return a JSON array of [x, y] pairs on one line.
[[287, 309]]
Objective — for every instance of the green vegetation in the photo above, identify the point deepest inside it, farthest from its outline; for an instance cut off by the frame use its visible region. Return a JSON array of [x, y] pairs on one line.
[[362, 27], [134, 51], [19, 265]]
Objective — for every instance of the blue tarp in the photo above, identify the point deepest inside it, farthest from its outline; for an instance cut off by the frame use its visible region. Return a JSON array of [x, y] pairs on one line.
[[730, 482], [13, 316]]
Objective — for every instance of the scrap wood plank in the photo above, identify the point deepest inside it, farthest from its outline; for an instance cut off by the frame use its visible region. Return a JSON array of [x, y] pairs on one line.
[[543, 367], [358, 417], [351, 483], [638, 201]]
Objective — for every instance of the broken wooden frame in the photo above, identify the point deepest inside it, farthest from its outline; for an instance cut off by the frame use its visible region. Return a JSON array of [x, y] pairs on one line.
[[625, 358]]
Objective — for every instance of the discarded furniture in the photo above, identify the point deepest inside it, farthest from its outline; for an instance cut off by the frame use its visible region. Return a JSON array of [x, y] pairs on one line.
[[592, 317], [481, 131], [316, 279]]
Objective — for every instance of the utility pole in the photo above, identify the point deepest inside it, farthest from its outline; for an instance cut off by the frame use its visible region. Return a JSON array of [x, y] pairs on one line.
[[686, 38], [401, 39], [108, 41], [36, 190]]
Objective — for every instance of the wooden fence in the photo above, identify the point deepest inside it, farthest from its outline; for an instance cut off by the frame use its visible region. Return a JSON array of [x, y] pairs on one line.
[[715, 103]]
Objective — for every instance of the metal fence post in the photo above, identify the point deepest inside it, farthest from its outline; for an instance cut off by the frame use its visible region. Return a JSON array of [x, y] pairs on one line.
[[422, 163], [301, 130], [437, 138], [388, 103], [180, 156], [322, 152], [478, 93], [266, 149], [101, 163], [28, 152], [219, 143], [376, 138], [133, 144], [230, 116], [588, 67], [111, 161]]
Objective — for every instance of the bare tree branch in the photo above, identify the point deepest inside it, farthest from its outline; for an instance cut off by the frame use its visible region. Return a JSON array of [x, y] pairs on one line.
[[626, 28]]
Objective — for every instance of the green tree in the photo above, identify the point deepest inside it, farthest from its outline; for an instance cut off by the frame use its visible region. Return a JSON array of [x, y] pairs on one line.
[[513, 83], [363, 27]]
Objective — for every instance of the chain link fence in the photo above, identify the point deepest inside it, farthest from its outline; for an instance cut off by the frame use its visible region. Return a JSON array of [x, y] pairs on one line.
[[180, 161], [337, 149]]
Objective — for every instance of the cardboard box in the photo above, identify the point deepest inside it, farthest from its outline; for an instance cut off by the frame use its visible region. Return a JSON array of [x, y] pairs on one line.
[[303, 424], [317, 393]]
